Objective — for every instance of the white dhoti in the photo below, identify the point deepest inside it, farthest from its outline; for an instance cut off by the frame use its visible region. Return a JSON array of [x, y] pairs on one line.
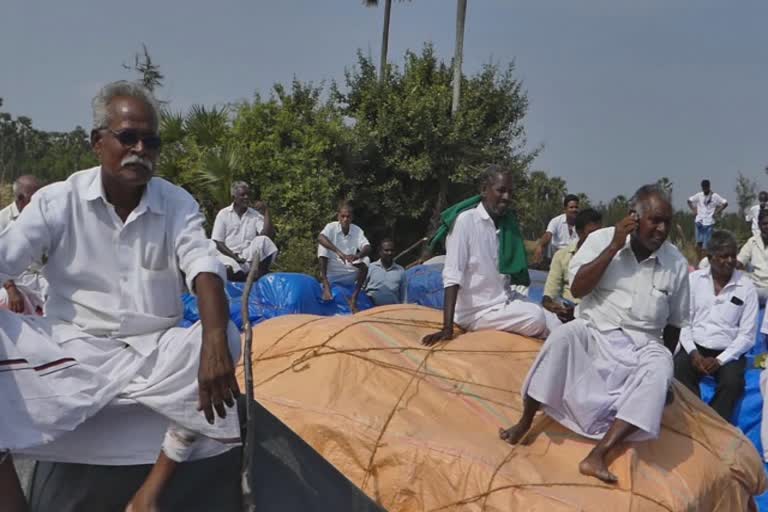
[[585, 379], [261, 248], [54, 377], [33, 288], [518, 315], [344, 273]]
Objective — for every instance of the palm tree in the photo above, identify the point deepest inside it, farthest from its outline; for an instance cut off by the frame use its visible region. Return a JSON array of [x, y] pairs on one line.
[[384, 34], [461, 16]]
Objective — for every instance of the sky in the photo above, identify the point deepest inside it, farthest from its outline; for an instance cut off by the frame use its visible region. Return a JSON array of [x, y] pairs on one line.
[[621, 92]]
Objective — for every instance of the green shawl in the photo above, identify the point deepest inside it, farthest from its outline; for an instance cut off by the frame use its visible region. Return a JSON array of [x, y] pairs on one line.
[[512, 258]]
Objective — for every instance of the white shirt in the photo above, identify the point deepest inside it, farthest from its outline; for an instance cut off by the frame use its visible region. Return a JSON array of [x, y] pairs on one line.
[[472, 262], [351, 243], [727, 321], [237, 232], [706, 206], [639, 297], [8, 215], [751, 216], [109, 278], [754, 255], [563, 235]]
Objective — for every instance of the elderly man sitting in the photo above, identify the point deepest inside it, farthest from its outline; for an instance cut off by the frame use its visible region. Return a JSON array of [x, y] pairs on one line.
[[485, 258], [557, 290], [121, 247], [606, 374], [26, 293], [243, 235], [723, 324]]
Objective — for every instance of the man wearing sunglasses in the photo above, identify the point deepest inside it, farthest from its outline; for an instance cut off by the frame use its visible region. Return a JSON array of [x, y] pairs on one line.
[[122, 246]]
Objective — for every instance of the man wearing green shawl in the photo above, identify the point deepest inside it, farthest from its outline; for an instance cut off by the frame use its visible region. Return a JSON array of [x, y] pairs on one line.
[[485, 265]]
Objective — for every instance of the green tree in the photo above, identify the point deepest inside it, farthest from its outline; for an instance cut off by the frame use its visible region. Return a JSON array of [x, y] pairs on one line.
[[295, 147], [544, 196], [746, 192], [411, 158]]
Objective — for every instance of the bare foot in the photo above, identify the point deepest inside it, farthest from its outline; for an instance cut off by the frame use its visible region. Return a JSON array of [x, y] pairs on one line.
[[515, 433], [327, 295], [594, 465], [353, 305]]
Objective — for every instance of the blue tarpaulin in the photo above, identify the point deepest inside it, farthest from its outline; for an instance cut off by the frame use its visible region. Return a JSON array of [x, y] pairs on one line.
[[280, 294], [425, 285]]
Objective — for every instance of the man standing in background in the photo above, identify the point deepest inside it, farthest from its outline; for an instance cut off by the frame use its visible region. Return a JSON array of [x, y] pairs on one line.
[[707, 206], [561, 230]]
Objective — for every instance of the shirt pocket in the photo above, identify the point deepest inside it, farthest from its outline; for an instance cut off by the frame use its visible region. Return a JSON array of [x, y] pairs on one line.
[[729, 313], [161, 292], [154, 248]]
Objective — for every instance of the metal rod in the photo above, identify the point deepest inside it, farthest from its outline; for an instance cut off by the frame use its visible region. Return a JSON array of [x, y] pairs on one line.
[[411, 248]]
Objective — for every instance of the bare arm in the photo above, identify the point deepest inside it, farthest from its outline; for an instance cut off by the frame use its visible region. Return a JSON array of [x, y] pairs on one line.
[[325, 242], [269, 229], [216, 376], [589, 275], [541, 246], [226, 251], [366, 251], [451, 293], [720, 208]]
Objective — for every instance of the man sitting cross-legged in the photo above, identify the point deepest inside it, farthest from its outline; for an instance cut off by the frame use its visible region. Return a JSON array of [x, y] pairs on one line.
[[121, 247], [243, 235], [485, 257], [606, 374], [343, 251], [723, 323]]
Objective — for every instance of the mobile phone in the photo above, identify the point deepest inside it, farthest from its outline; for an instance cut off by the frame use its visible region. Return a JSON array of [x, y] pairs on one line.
[[636, 218]]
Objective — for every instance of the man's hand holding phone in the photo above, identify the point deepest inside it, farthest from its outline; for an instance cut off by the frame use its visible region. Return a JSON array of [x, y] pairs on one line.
[[624, 228]]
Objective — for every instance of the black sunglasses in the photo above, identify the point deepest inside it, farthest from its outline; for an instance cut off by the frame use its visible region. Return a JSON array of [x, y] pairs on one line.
[[130, 138]]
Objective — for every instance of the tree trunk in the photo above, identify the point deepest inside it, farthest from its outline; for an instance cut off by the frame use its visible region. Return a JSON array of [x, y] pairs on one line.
[[385, 40], [461, 15]]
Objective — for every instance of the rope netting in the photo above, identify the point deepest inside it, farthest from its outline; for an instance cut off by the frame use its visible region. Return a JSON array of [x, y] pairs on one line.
[[419, 371]]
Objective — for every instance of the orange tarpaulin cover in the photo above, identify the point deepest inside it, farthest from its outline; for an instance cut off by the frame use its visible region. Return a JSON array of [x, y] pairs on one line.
[[417, 428]]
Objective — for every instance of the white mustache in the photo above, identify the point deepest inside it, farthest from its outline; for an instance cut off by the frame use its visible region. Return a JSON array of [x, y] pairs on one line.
[[135, 159]]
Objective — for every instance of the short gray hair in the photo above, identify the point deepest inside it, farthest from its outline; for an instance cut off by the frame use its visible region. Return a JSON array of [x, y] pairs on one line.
[[236, 185], [100, 102], [637, 201], [25, 180], [720, 241]]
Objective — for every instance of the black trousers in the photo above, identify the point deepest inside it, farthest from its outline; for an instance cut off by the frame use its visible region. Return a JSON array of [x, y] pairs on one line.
[[729, 379]]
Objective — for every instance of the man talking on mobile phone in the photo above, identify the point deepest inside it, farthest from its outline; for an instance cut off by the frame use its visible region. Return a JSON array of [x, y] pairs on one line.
[[606, 374]]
